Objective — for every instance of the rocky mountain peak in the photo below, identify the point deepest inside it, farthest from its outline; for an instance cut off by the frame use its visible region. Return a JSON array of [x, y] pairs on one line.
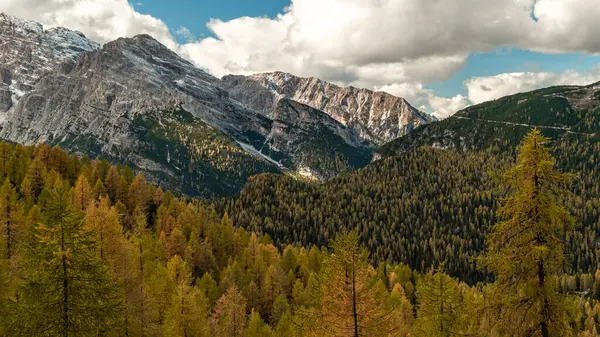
[[137, 102], [27, 52], [377, 117], [20, 26]]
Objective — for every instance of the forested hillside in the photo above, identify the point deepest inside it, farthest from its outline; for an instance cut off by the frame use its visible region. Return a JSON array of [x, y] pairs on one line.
[[422, 207], [89, 249], [434, 193], [559, 112]]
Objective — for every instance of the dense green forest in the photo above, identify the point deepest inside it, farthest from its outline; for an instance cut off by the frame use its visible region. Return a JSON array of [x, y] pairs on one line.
[[421, 207], [90, 249]]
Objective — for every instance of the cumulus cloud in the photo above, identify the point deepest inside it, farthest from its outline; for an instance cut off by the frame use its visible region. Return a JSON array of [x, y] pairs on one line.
[[446, 107], [482, 89], [409, 36], [394, 45], [426, 100], [185, 34], [99, 20]]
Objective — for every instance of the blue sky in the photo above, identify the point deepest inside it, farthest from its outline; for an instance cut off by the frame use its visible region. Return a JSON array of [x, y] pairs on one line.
[[194, 14], [509, 61]]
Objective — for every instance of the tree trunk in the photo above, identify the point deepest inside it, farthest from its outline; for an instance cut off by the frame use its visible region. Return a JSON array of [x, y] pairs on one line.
[[441, 308], [182, 313], [540, 241], [542, 280], [8, 232], [354, 313], [65, 314], [142, 309]]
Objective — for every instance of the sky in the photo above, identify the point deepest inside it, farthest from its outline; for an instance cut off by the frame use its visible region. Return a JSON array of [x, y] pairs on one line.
[[440, 55]]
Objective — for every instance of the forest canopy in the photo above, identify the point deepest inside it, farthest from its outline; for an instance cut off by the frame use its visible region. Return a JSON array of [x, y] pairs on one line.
[[90, 249]]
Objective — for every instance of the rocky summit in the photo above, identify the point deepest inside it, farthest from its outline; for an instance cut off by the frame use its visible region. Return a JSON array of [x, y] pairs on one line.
[[376, 117], [27, 52], [134, 101]]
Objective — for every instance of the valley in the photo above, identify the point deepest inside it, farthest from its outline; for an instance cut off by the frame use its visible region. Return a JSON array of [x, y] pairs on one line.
[[142, 196]]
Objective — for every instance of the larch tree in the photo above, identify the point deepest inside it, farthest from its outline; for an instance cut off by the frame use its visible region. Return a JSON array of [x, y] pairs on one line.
[[272, 287], [66, 290], [35, 178], [105, 223], [440, 312], [12, 220], [229, 317], [344, 299], [113, 184], [256, 326], [188, 314], [525, 250], [82, 193]]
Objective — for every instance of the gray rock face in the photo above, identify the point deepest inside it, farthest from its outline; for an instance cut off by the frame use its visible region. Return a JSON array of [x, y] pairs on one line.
[[104, 90], [136, 102], [318, 146], [377, 117], [27, 52], [5, 98]]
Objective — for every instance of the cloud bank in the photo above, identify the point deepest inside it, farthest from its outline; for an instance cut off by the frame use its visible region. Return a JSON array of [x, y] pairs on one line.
[[392, 45], [482, 89]]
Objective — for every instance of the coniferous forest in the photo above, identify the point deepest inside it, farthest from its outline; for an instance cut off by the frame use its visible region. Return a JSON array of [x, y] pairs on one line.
[[422, 207], [90, 249]]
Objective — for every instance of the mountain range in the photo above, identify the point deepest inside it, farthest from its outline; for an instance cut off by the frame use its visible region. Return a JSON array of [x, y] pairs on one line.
[[418, 190], [431, 196], [134, 101]]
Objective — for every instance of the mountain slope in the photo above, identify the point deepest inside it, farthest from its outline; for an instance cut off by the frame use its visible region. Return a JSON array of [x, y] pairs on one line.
[[377, 117], [435, 194], [101, 104], [106, 101], [567, 111]]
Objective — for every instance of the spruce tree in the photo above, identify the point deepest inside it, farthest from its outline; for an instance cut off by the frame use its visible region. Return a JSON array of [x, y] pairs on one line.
[[66, 290], [525, 250]]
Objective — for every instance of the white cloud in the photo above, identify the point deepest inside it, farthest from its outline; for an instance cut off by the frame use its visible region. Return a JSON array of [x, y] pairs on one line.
[[482, 89], [392, 44], [426, 100], [396, 45], [184, 33], [408, 37], [99, 20], [446, 107]]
